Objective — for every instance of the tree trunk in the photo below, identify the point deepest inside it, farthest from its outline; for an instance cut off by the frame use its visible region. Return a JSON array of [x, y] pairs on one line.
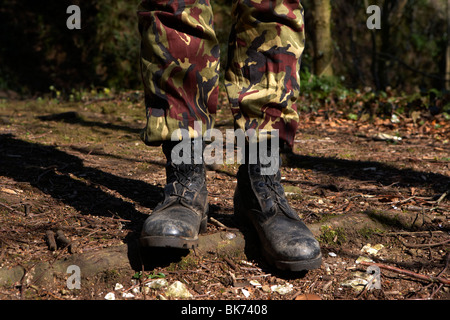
[[447, 61], [323, 43], [391, 14]]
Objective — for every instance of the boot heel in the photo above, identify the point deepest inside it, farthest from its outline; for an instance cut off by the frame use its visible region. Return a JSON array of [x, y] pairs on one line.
[[204, 223], [239, 216]]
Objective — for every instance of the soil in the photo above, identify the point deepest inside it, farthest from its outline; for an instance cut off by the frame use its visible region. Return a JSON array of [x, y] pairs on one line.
[[80, 169]]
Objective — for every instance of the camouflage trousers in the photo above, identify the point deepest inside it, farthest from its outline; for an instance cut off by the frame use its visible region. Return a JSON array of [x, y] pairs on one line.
[[180, 66]]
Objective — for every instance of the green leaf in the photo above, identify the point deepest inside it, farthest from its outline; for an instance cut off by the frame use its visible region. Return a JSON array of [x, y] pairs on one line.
[[155, 276]]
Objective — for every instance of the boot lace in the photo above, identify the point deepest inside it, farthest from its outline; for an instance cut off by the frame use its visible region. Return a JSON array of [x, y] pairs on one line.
[[275, 191], [183, 175]]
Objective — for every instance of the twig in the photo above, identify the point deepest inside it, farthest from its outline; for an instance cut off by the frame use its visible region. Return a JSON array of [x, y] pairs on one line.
[[410, 233], [219, 224], [231, 263], [447, 261], [424, 245], [439, 274], [401, 201], [141, 283], [417, 233], [9, 208], [435, 291], [98, 100], [442, 197], [52, 295], [409, 273], [438, 201]]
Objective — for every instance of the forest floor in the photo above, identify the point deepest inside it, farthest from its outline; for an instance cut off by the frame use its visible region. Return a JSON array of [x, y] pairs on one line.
[[80, 169]]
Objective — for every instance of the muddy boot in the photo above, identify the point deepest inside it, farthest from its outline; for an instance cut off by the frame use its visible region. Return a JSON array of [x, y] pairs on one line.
[[260, 203], [182, 215]]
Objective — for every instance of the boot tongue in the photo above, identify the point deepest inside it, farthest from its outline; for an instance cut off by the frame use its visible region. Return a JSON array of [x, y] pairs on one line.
[[181, 173], [269, 192]]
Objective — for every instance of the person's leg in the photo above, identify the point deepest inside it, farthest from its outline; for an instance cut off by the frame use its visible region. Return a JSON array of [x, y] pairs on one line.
[[262, 75], [263, 83], [179, 64]]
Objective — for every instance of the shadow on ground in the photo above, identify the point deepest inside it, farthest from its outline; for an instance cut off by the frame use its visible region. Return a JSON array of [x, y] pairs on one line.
[[65, 178], [357, 170]]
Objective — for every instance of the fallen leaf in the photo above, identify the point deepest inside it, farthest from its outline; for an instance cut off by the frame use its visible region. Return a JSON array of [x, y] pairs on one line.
[[308, 296], [373, 250], [386, 137], [282, 289], [110, 296], [6, 190], [178, 290], [246, 293]]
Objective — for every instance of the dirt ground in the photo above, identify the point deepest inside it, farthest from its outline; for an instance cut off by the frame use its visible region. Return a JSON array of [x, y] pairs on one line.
[[80, 169]]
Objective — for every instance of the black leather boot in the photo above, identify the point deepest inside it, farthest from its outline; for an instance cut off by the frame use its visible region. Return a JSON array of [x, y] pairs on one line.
[[259, 201], [182, 215]]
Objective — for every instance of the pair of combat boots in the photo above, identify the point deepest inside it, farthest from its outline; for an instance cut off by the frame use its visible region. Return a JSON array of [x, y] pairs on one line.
[[259, 202]]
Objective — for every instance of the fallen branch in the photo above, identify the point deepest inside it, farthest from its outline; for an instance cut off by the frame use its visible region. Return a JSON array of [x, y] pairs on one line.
[[407, 272]]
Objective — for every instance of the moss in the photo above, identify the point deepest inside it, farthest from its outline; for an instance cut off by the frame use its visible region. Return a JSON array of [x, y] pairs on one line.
[[185, 263], [332, 236], [109, 276], [367, 232]]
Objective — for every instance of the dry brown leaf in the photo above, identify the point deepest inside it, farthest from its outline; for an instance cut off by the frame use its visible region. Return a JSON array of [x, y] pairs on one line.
[[308, 296], [6, 190]]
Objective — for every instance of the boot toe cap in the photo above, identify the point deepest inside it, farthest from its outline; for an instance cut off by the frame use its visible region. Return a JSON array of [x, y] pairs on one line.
[[295, 255], [167, 227], [300, 249]]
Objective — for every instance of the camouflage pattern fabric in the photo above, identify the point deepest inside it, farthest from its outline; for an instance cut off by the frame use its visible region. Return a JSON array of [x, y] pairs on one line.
[[180, 66]]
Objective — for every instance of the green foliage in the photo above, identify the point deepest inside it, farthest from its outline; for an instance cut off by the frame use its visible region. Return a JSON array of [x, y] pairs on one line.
[[320, 87], [368, 232], [38, 51], [140, 275], [407, 53], [332, 236], [156, 275]]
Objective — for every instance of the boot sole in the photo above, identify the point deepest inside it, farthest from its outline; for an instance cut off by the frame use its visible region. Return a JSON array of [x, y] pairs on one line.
[[300, 265], [174, 242], [168, 242]]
